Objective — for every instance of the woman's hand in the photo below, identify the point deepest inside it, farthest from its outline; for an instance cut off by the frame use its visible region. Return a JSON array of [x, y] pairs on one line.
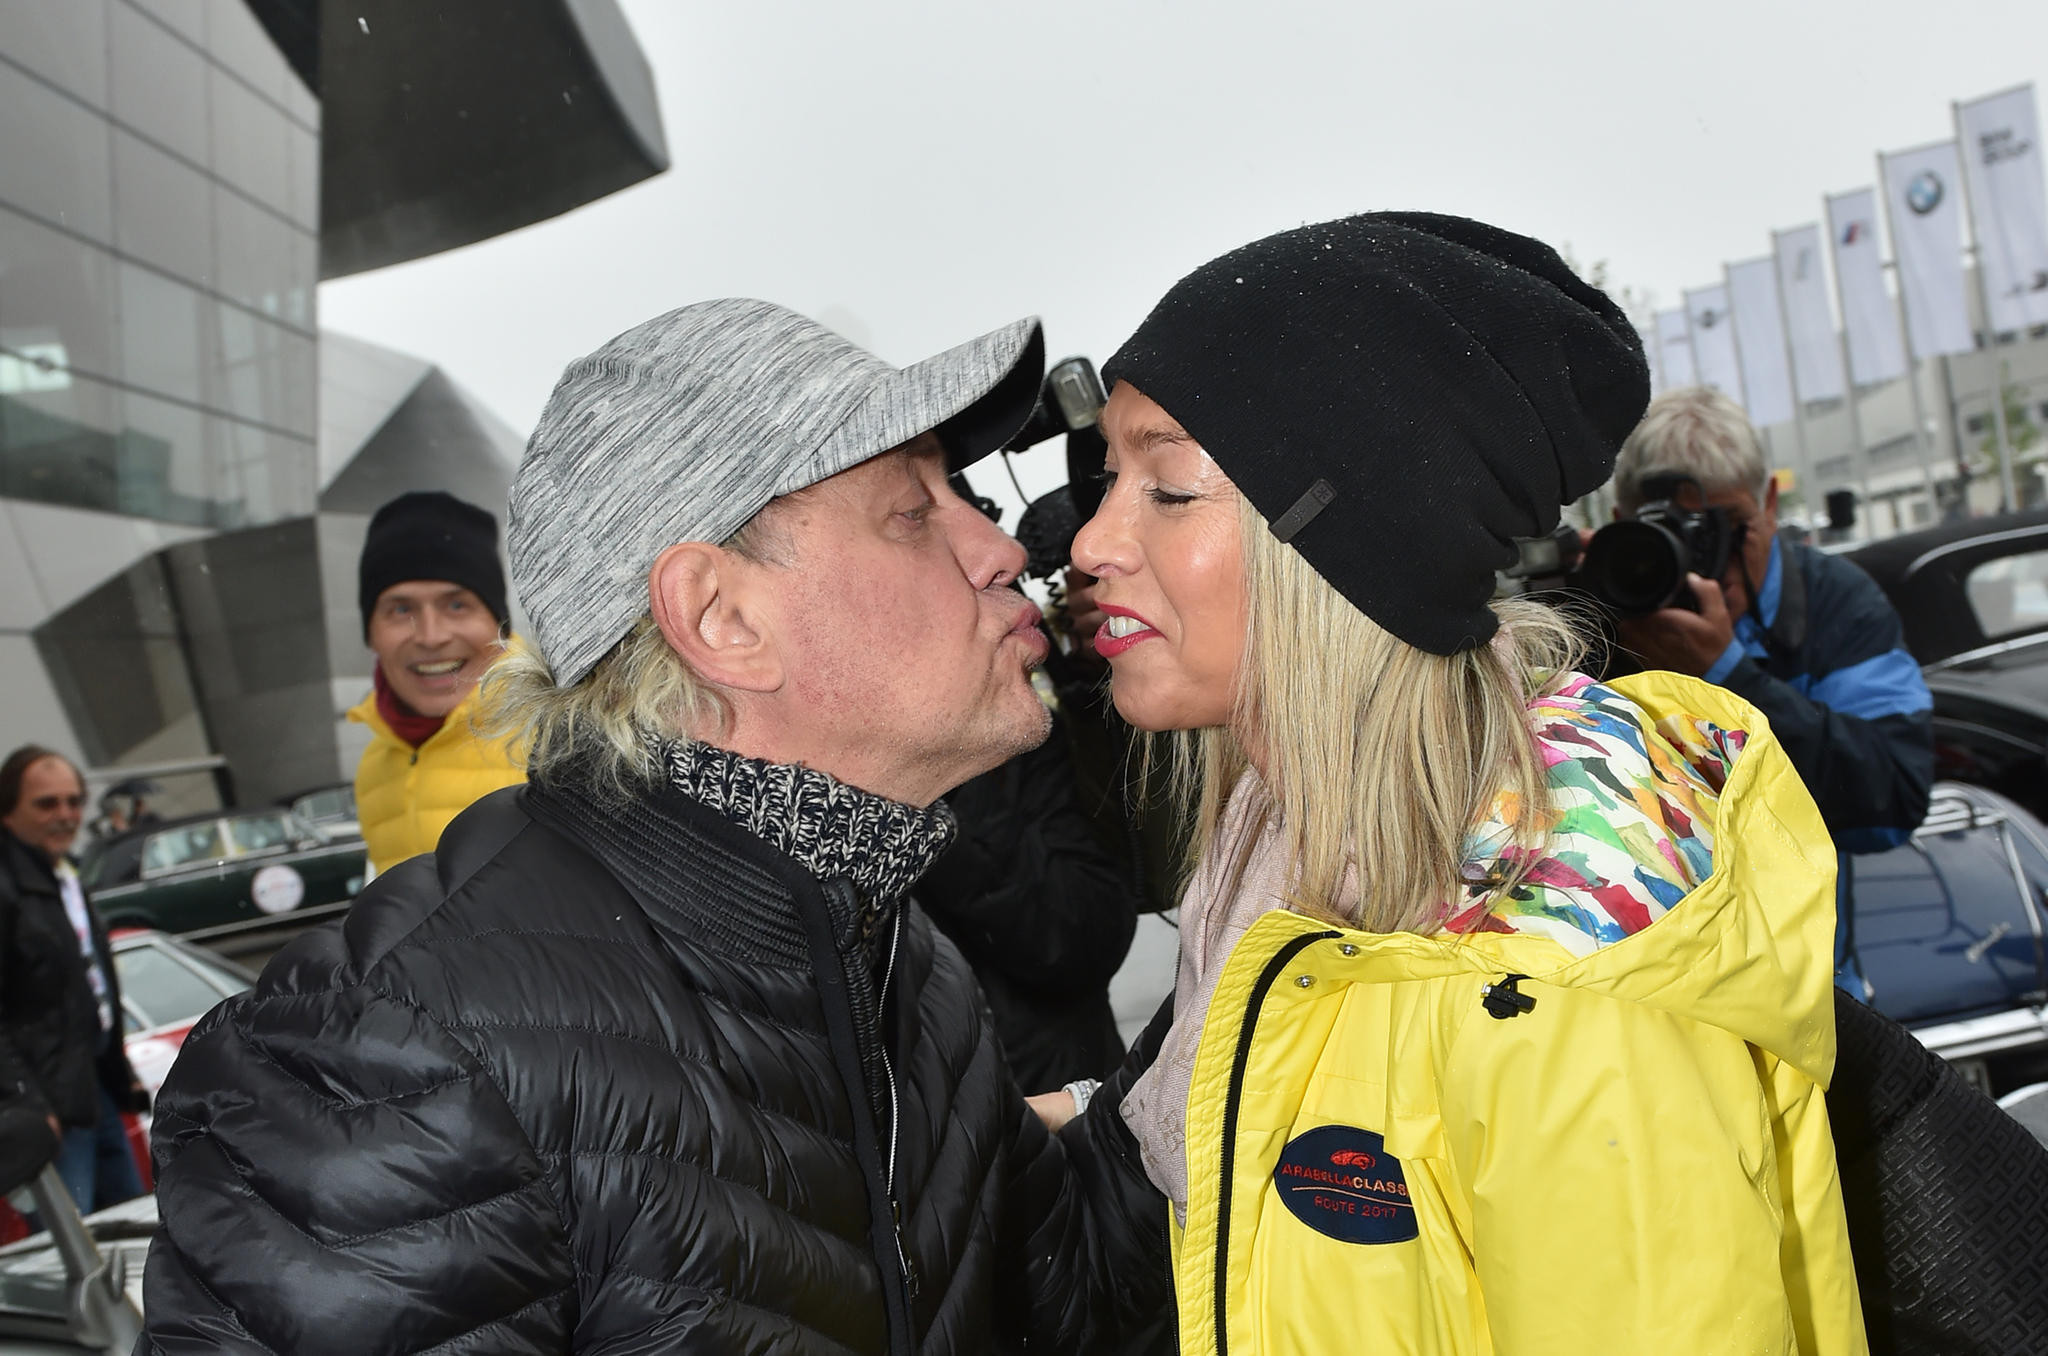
[[1054, 1108]]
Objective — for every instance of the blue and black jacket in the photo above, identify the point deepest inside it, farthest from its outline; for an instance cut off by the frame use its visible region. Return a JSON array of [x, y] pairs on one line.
[[1822, 654]]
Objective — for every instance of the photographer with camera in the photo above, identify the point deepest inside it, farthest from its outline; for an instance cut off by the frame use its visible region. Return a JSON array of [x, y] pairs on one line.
[[1806, 637]]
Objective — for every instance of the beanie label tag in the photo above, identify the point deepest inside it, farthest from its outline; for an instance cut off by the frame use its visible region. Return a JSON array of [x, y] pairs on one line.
[[1313, 501]]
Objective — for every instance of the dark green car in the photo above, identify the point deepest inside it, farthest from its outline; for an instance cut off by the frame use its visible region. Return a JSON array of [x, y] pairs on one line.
[[221, 870]]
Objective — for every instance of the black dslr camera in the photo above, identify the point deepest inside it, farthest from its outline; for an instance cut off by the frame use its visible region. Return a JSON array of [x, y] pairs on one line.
[[1635, 566]]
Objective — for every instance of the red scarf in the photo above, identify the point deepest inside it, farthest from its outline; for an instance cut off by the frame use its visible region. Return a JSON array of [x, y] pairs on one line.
[[413, 729]]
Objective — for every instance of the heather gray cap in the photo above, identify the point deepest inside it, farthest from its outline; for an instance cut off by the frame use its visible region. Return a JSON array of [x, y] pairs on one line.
[[685, 427]]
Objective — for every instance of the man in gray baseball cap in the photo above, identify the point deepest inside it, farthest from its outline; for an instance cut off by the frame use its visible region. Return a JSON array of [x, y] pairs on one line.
[[655, 1053]]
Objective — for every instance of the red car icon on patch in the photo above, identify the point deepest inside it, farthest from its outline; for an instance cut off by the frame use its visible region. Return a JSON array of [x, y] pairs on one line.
[[1352, 1158]]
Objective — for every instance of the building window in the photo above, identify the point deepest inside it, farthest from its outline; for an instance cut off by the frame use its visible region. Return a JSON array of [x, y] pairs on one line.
[[1977, 423]]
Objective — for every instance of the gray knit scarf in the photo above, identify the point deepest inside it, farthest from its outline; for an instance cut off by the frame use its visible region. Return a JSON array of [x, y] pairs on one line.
[[829, 828]]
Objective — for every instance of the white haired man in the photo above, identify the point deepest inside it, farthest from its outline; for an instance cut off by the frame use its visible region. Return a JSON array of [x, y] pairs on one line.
[[654, 1054], [1806, 637]]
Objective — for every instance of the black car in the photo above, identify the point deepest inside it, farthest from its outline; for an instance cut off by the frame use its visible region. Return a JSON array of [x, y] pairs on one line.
[[1973, 597], [1951, 929], [222, 870]]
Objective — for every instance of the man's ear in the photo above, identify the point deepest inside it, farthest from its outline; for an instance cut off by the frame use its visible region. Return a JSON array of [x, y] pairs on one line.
[[700, 597], [1771, 498]]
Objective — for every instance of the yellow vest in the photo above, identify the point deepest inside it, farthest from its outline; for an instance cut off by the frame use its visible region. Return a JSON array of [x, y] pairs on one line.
[[1639, 1163], [405, 796]]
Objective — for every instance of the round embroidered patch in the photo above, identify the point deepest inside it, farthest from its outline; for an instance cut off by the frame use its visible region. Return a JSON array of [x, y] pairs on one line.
[[1341, 1181]]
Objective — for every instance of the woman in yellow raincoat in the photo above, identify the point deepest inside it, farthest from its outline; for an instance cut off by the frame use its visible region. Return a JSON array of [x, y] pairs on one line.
[[1504, 1012]]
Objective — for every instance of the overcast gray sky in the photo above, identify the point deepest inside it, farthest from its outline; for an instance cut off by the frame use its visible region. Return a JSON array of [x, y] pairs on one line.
[[915, 173]]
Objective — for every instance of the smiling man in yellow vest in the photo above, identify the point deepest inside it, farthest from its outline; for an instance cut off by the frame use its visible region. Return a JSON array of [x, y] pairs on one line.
[[433, 599]]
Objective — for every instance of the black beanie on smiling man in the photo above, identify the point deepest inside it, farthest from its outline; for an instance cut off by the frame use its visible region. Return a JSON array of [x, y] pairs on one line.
[[1400, 395], [431, 534]]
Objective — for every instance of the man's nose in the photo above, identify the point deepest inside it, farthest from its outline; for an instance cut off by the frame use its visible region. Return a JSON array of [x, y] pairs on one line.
[[991, 556]]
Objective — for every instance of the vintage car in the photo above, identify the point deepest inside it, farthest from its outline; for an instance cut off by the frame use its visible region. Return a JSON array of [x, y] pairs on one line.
[[1952, 929], [1949, 933], [329, 810], [1973, 597], [224, 869]]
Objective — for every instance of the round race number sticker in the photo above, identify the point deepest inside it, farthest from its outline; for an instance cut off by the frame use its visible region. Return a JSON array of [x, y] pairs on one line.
[[278, 889]]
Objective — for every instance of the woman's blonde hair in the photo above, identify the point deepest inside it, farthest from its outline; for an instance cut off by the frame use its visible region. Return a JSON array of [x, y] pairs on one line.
[[1378, 753], [610, 724]]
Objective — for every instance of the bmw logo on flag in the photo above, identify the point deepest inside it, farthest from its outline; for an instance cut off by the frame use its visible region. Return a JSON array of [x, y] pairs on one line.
[[1924, 194]]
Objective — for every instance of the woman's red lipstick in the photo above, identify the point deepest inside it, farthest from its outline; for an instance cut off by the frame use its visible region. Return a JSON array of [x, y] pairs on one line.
[[1109, 646]]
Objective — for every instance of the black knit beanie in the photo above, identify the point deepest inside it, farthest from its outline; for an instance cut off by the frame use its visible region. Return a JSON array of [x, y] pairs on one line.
[[1400, 395], [431, 535]]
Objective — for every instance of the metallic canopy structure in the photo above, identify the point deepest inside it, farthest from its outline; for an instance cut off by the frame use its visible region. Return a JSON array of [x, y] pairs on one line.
[[448, 122]]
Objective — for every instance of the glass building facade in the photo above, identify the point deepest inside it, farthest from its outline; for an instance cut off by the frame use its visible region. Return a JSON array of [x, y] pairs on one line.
[[187, 467], [159, 251]]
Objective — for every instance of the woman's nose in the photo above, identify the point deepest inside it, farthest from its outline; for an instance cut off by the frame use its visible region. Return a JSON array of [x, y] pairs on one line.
[[1101, 548]]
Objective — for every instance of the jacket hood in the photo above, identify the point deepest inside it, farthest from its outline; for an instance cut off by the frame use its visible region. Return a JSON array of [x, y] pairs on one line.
[[1631, 897]]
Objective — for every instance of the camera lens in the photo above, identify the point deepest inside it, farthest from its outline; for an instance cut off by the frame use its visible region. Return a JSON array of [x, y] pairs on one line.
[[1633, 566]]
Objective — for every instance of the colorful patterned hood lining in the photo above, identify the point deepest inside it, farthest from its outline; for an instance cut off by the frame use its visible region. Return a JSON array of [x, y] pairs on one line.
[[1631, 822]]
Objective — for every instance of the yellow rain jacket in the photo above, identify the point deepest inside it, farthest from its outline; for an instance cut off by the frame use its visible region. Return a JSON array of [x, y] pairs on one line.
[[405, 796], [1639, 1162]]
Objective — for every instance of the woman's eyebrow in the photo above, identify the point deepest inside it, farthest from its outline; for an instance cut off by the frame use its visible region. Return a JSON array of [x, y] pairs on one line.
[[1161, 435]]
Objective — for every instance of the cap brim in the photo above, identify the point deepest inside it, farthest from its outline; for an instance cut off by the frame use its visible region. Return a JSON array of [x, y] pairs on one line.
[[974, 396]]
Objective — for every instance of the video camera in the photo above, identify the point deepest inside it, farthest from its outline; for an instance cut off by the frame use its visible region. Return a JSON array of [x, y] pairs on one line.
[[1635, 566], [1070, 400]]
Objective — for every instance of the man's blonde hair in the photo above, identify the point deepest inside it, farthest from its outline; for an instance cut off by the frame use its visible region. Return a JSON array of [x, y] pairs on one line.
[[1694, 431], [1379, 754], [609, 725]]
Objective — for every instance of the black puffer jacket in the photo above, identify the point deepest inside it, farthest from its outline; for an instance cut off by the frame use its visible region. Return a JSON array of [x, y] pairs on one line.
[[1042, 909], [49, 1018], [604, 1080]]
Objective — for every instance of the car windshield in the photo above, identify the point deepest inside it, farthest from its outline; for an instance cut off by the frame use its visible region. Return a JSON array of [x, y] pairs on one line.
[[262, 833], [335, 803], [183, 846], [162, 987], [2010, 594]]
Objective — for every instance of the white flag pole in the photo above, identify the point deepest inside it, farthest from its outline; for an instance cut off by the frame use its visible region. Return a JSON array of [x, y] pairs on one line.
[[1920, 437], [1925, 439], [2008, 496], [1849, 400], [1856, 433], [1806, 483], [1808, 487]]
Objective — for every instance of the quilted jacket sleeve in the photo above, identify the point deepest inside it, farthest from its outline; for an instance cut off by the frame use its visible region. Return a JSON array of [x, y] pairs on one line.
[[1090, 1246], [337, 1174]]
